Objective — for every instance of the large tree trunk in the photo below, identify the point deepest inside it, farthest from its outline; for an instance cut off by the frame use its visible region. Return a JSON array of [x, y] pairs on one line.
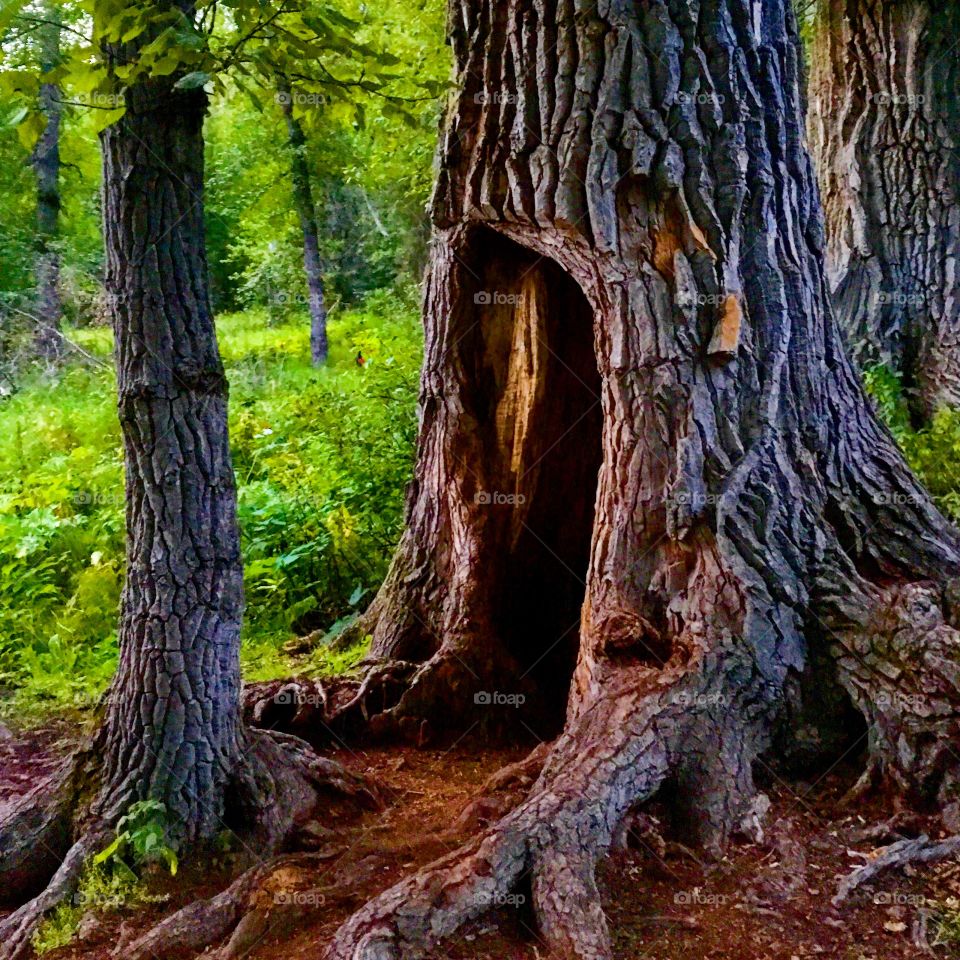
[[46, 165], [651, 497], [172, 730], [303, 201], [884, 126]]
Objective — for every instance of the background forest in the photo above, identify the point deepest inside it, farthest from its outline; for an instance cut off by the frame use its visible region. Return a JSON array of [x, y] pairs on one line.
[[322, 454]]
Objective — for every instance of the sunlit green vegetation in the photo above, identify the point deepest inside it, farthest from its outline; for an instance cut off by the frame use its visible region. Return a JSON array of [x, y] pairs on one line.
[[322, 459]]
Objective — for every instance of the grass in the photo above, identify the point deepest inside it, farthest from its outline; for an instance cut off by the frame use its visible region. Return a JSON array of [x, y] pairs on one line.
[[322, 458]]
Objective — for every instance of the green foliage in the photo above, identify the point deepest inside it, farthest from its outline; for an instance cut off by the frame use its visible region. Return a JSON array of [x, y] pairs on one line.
[[946, 927], [102, 890], [369, 151], [933, 452], [142, 837], [322, 470], [110, 882], [322, 458]]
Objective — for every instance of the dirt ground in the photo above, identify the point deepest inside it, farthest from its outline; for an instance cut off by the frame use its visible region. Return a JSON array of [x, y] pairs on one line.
[[762, 902]]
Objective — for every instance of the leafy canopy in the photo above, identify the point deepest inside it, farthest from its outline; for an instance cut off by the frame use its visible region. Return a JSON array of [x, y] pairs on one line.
[[307, 47]]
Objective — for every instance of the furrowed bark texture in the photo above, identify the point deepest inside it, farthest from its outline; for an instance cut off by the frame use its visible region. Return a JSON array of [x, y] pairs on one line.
[[639, 170], [172, 730], [884, 127], [46, 165], [303, 201]]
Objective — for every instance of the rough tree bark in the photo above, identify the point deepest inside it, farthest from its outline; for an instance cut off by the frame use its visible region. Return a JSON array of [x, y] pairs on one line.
[[625, 200], [172, 730], [46, 165], [303, 201], [884, 127]]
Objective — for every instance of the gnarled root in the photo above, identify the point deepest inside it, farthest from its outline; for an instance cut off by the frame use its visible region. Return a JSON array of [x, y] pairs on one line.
[[35, 833], [641, 729], [253, 905], [895, 856], [51, 834], [17, 930], [394, 699]]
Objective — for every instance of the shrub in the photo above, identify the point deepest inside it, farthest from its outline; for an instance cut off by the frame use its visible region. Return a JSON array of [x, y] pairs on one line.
[[322, 459], [933, 452]]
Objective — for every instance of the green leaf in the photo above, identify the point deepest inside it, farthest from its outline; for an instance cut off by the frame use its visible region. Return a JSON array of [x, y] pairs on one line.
[[110, 851], [193, 81], [31, 129]]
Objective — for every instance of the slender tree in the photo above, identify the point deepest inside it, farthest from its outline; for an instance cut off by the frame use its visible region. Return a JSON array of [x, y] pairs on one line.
[[306, 211], [171, 731], [46, 164], [884, 126]]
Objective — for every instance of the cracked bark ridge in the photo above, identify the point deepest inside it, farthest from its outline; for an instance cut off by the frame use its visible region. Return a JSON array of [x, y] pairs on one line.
[[641, 169], [46, 166], [172, 729], [885, 130]]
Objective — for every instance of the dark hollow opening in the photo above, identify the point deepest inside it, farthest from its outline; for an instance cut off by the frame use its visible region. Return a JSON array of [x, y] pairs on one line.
[[539, 412]]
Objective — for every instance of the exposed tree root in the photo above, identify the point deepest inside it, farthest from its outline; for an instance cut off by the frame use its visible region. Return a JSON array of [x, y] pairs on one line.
[[501, 792], [52, 832], [616, 754], [252, 905], [36, 833], [895, 856], [393, 699], [16, 932]]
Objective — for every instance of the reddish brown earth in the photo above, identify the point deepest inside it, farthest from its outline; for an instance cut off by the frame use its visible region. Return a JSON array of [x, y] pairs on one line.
[[762, 902]]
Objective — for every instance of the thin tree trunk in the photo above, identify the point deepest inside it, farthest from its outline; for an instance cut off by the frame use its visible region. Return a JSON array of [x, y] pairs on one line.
[[175, 732], [172, 730], [303, 201], [644, 459], [46, 165], [884, 126]]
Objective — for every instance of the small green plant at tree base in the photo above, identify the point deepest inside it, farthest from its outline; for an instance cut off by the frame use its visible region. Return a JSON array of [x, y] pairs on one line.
[[141, 836], [946, 927], [109, 882]]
